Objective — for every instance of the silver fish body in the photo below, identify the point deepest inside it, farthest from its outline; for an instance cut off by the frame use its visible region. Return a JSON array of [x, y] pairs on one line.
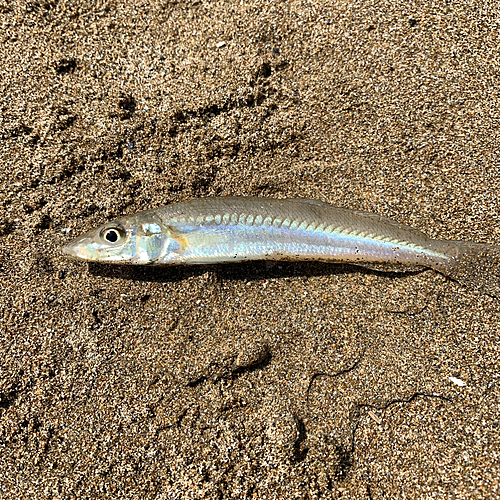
[[235, 229]]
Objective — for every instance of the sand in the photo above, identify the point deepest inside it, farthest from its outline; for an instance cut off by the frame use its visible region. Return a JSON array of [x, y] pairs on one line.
[[251, 381]]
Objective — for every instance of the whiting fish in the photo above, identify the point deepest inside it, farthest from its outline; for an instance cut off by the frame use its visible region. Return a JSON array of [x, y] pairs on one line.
[[236, 229]]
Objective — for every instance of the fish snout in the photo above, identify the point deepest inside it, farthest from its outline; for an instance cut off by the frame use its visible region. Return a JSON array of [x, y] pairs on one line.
[[76, 249]]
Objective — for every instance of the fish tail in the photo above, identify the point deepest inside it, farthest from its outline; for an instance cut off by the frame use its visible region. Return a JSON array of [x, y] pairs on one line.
[[472, 264]]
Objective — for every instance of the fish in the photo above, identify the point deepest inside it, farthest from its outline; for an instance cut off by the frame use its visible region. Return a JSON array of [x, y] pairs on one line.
[[217, 230]]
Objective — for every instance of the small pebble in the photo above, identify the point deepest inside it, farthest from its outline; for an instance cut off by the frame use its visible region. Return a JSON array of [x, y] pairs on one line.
[[456, 381]]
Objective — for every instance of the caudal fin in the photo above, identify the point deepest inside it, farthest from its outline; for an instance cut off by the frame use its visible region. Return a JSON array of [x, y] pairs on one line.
[[473, 264]]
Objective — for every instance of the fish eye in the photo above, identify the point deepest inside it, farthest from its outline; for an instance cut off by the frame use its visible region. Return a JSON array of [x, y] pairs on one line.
[[112, 234]]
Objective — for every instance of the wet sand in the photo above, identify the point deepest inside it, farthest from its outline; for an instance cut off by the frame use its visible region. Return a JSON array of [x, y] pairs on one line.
[[284, 381]]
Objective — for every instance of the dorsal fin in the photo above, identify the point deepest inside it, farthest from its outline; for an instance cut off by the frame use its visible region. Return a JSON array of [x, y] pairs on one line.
[[392, 222], [362, 213], [317, 203]]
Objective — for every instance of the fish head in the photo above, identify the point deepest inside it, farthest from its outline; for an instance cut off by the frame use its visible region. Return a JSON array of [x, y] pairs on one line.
[[139, 239]]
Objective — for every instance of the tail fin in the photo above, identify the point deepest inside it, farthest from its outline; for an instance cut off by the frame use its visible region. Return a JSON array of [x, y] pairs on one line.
[[473, 264]]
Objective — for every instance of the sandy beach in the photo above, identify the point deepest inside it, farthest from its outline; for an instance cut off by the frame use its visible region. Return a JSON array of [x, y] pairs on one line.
[[255, 380]]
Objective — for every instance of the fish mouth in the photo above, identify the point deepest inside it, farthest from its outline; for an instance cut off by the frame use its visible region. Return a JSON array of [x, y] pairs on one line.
[[86, 250], [76, 250], [69, 251]]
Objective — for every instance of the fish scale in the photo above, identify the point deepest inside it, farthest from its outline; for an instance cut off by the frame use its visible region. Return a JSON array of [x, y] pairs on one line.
[[238, 229]]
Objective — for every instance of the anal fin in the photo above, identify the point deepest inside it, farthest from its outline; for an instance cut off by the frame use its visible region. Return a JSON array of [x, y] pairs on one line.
[[389, 267]]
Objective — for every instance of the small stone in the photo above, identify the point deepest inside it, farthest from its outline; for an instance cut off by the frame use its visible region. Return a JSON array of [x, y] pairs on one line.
[[456, 381]]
